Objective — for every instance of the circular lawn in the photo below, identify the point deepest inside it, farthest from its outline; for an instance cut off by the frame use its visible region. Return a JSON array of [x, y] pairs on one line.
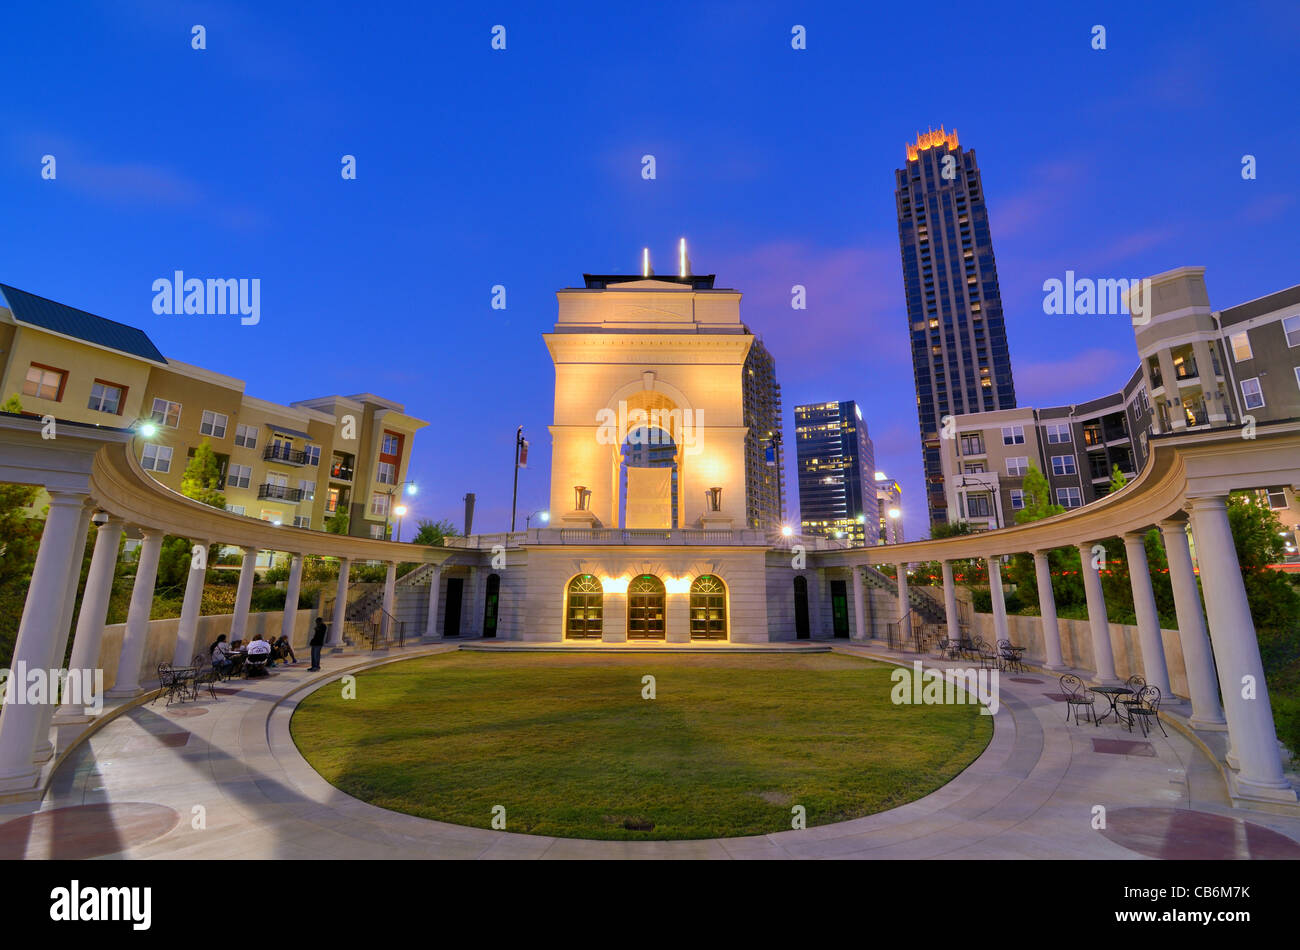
[[568, 745]]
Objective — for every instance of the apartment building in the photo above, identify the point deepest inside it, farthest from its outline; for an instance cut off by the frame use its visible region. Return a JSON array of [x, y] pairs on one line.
[[295, 464], [1198, 369], [761, 396]]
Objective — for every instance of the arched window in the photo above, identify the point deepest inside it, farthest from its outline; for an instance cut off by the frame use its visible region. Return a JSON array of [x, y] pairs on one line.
[[645, 608], [708, 608], [582, 620]]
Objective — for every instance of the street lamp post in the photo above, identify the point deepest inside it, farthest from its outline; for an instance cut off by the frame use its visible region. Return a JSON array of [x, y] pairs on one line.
[[411, 489], [546, 516], [521, 461]]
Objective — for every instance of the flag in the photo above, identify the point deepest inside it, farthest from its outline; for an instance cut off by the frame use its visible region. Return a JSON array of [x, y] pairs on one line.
[[523, 453], [771, 454]]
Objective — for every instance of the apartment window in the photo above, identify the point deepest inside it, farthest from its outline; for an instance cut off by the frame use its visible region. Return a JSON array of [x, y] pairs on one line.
[[974, 468], [235, 509], [106, 397], [45, 382], [1063, 465], [387, 473], [308, 489], [391, 444], [311, 454], [1240, 346], [1068, 497], [1253, 395], [166, 413], [1013, 435], [156, 458], [1018, 466], [1057, 434], [972, 444], [379, 504], [977, 506], [214, 424], [1297, 375], [1291, 326], [246, 436], [239, 476], [1017, 499], [302, 521], [377, 531], [1276, 498]]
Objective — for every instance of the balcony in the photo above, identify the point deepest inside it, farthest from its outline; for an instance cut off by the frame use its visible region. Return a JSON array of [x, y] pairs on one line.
[[279, 492], [341, 471], [1185, 369], [286, 454]]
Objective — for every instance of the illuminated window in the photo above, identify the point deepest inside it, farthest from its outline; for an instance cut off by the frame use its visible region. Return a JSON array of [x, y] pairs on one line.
[[45, 382], [1241, 346]]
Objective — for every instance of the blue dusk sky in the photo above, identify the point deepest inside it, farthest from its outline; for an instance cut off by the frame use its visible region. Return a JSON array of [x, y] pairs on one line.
[[522, 168]]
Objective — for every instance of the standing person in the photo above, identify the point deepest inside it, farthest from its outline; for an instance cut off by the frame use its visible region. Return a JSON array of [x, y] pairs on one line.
[[317, 641]]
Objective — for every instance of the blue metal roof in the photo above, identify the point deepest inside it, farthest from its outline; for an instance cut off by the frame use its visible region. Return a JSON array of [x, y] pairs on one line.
[[58, 318]]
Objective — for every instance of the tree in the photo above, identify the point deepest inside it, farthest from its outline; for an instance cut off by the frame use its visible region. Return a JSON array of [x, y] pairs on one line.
[[1117, 480], [433, 532], [12, 404], [966, 571], [202, 478], [337, 523], [1038, 498], [1063, 563], [1257, 536]]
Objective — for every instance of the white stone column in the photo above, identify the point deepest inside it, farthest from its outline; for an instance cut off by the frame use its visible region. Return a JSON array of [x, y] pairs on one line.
[[290, 616], [1103, 657], [1000, 629], [1198, 658], [187, 630], [904, 607], [950, 603], [136, 638], [59, 642], [859, 606], [44, 605], [390, 595], [94, 611], [1053, 660], [435, 601], [1241, 671], [243, 595], [1154, 669], [335, 641]]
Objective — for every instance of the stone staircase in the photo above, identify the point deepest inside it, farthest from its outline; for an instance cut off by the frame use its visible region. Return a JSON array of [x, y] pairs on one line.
[[929, 610]]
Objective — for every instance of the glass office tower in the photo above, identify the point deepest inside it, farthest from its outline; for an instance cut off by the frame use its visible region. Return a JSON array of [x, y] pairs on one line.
[[836, 461]]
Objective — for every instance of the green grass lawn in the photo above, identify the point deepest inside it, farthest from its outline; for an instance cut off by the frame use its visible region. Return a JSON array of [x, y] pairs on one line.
[[569, 747]]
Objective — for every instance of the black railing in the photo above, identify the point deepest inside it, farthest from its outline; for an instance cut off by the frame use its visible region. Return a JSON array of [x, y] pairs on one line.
[[285, 453], [341, 471], [282, 492]]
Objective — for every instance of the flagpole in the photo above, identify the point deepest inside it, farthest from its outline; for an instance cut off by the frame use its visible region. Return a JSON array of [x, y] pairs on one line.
[[514, 497]]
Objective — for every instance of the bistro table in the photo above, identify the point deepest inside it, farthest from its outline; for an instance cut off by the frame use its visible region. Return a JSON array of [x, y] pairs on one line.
[[1112, 694]]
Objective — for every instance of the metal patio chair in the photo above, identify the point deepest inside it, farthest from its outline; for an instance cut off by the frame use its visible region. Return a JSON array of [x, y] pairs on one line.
[[1146, 709], [1078, 696]]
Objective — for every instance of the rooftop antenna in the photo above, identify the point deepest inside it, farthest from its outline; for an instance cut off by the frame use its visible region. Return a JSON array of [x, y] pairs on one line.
[[646, 269]]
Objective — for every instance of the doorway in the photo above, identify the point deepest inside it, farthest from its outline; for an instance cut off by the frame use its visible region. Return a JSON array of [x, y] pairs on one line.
[[840, 607], [801, 626], [493, 599], [645, 608], [451, 614]]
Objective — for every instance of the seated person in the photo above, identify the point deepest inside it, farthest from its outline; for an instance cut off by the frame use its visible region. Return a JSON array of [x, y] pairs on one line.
[[284, 649], [259, 647], [221, 654], [237, 647]]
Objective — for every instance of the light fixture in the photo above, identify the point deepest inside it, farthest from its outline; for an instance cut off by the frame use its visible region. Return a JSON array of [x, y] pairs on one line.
[[715, 499], [400, 511], [786, 530], [545, 516], [412, 488], [148, 429], [99, 518], [894, 512], [581, 497]]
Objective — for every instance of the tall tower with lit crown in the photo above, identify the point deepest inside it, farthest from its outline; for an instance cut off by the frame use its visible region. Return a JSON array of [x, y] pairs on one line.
[[954, 308]]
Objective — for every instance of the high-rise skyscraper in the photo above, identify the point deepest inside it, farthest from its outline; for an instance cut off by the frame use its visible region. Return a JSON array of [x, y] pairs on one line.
[[837, 489], [954, 308], [764, 490]]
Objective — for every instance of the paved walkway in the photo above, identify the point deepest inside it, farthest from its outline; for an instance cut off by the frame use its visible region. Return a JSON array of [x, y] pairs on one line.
[[223, 779]]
